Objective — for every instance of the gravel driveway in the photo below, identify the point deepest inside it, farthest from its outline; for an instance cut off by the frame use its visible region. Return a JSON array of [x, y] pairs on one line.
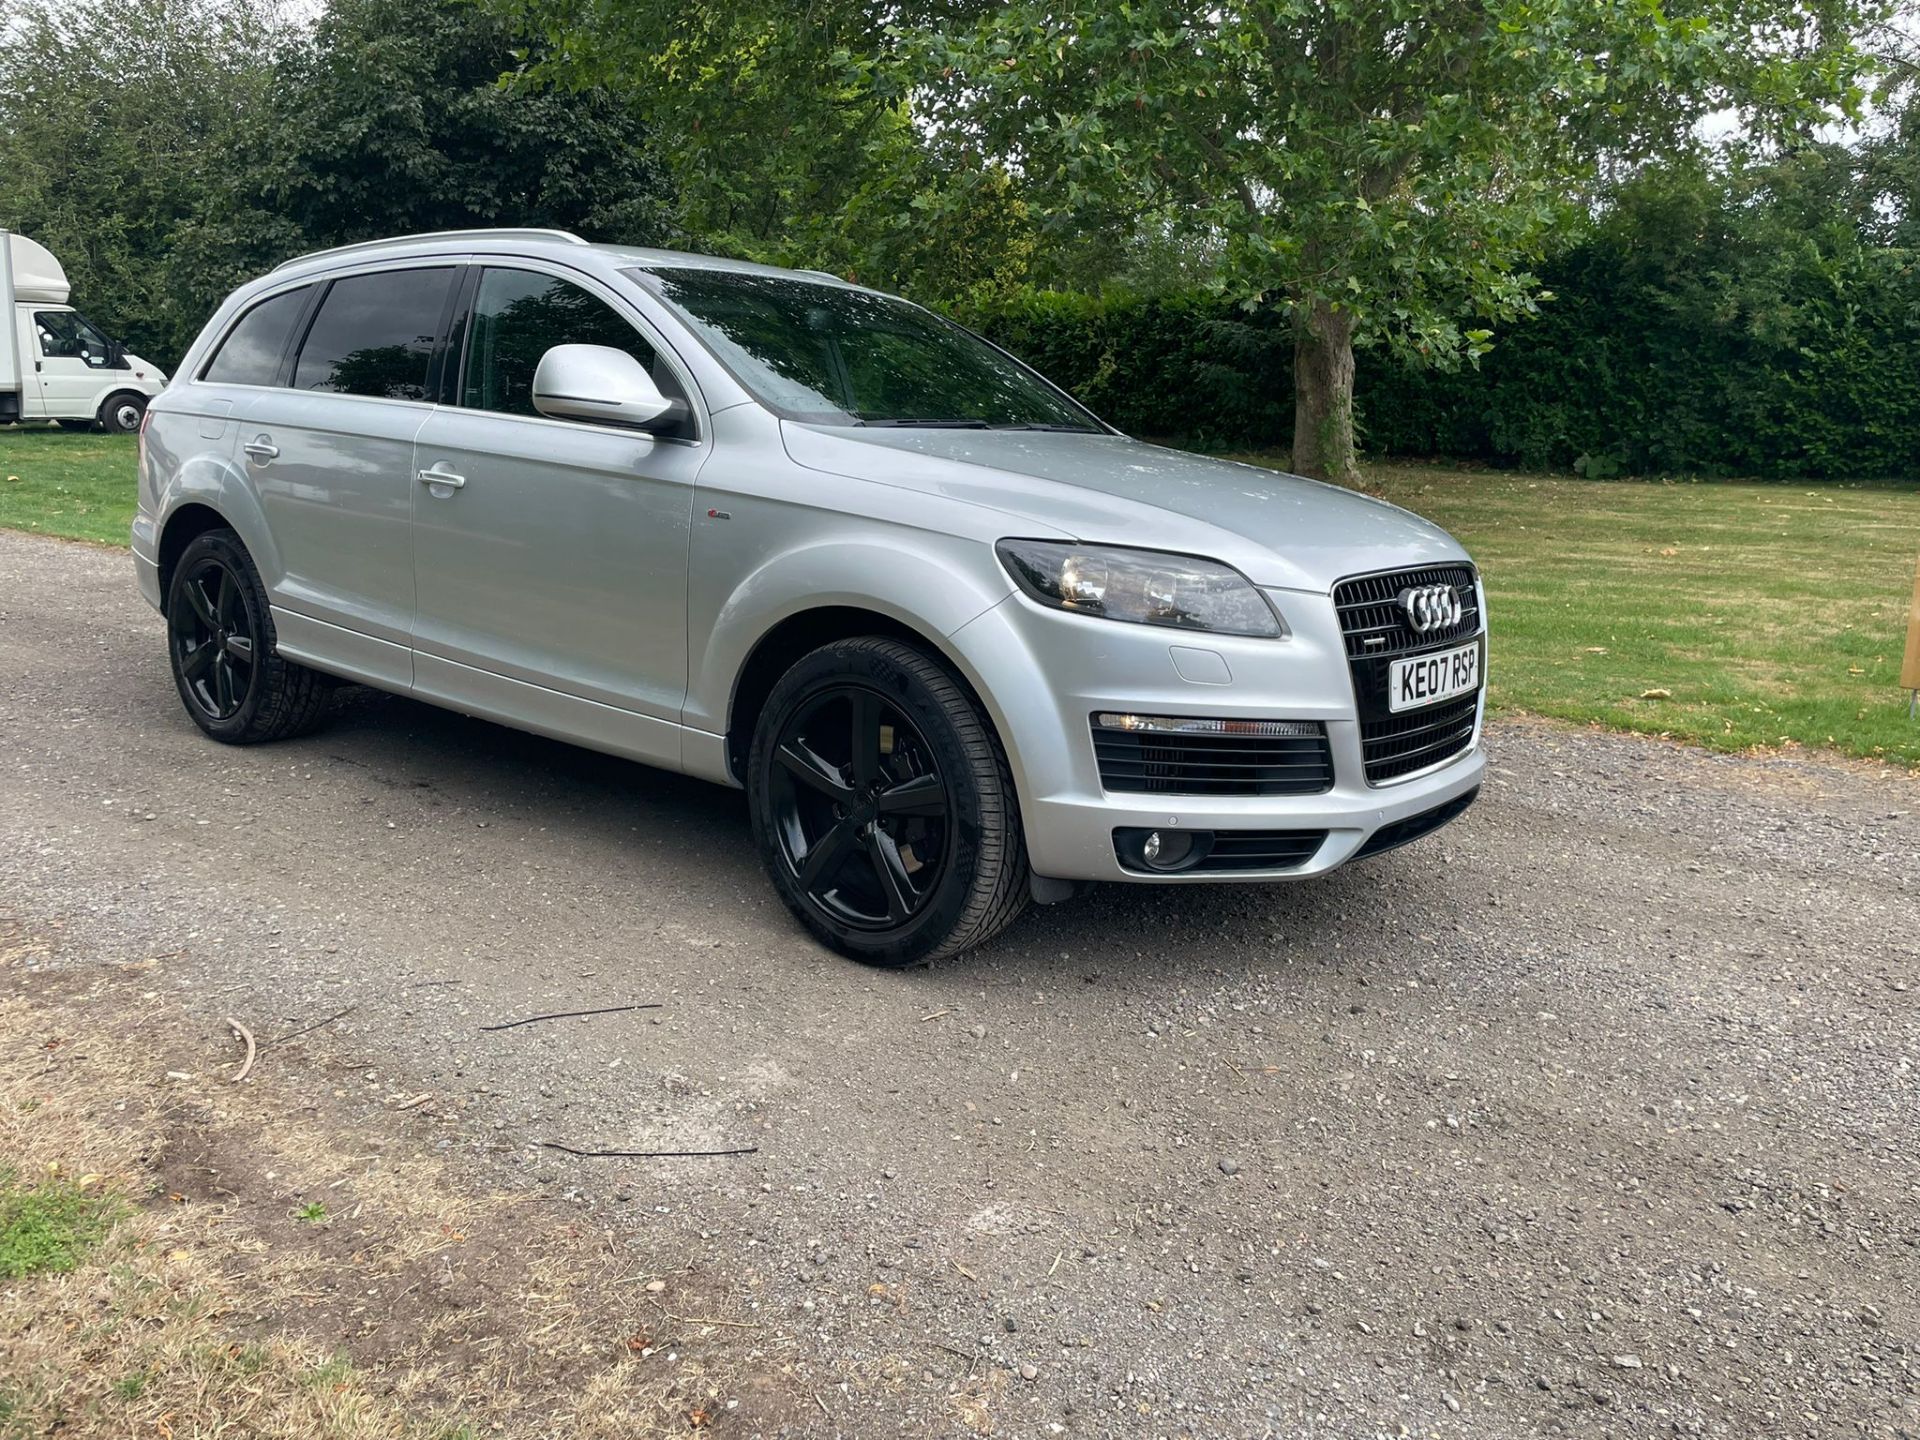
[[1595, 1115]]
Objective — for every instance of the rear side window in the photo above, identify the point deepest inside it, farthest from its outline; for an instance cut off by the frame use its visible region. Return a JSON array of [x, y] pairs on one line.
[[250, 355], [519, 315], [375, 334]]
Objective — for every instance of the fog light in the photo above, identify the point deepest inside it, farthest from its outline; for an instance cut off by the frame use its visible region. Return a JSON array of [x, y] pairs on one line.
[[1164, 851]]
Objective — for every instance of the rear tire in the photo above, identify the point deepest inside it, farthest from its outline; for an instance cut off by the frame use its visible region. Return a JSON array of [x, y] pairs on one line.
[[224, 653], [883, 807], [120, 414]]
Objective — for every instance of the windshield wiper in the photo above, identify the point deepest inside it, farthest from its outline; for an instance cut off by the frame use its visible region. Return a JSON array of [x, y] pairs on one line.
[[1052, 429], [927, 424]]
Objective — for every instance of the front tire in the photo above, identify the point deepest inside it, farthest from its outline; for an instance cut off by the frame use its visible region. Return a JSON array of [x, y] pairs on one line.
[[120, 414], [225, 657], [883, 807]]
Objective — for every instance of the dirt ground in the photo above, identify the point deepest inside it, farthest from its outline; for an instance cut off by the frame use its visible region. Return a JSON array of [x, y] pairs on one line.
[[1594, 1115]]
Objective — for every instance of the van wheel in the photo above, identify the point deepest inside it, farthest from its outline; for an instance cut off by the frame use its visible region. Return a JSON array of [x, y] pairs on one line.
[[221, 643], [120, 415], [76, 424], [883, 807]]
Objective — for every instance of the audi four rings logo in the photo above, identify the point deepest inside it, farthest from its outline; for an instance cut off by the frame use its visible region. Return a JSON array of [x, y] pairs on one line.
[[1431, 607]]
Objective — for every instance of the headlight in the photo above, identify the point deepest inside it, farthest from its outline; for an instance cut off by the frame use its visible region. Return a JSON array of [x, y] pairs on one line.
[[1146, 587]]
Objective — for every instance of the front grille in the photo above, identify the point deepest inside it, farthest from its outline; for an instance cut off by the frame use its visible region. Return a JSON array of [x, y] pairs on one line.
[[1375, 625], [1404, 832], [1156, 762], [1402, 744], [1377, 632]]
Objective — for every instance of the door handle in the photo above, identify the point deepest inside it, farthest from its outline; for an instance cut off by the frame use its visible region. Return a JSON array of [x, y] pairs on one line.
[[440, 475], [262, 450]]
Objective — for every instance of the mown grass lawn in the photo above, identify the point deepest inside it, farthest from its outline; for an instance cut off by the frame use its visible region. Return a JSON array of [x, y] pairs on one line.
[[61, 482], [1770, 614]]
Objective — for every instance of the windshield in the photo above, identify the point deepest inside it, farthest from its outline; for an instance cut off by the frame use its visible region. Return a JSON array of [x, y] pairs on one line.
[[832, 355]]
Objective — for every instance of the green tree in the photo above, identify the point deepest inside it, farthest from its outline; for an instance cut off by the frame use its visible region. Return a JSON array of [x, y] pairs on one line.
[[773, 129], [391, 118], [1890, 150], [1385, 170], [117, 127], [168, 150], [789, 138]]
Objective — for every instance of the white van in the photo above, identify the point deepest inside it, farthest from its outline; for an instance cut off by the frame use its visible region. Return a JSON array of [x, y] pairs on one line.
[[54, 362]]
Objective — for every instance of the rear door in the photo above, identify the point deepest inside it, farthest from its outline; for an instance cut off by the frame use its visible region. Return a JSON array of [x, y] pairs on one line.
[[552, 577], [331, 458], [255, 354]]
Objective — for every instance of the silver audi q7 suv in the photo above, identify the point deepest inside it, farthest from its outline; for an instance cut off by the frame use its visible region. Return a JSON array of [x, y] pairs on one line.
[[963, 644]]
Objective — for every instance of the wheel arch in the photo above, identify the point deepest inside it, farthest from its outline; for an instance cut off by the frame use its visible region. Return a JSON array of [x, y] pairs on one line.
[[186, 524], [208, 492], [801, 633]]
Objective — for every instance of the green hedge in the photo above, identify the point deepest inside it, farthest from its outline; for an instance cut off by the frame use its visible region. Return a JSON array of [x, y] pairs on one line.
[[1637, 365], [1182, 366]]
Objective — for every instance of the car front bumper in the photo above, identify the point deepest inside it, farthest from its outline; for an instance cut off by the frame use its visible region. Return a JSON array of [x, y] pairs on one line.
[[1045, 674]]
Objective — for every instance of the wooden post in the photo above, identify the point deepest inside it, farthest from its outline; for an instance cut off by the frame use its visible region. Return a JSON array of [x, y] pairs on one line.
[[1910, 666]]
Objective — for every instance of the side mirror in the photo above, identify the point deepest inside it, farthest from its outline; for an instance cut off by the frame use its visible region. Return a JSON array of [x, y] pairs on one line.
[[603, 385]]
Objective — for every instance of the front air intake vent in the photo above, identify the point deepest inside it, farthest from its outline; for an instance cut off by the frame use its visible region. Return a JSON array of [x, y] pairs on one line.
[[1185, 755]]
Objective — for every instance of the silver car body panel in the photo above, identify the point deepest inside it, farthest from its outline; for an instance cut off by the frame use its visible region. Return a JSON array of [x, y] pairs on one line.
[[1277, 530], [608, 588]]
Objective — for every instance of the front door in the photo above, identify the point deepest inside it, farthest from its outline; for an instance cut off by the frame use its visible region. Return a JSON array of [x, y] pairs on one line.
[[550, 567], [72, 360]]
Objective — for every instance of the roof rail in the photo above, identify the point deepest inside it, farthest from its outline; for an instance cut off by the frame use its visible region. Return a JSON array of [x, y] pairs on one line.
[[500, 234]]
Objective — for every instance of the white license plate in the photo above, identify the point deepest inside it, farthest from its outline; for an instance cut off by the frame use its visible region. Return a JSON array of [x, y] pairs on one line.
[[1429, 679]]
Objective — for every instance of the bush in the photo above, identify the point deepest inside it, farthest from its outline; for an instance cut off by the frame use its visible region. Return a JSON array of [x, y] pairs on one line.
[[1182, 366]]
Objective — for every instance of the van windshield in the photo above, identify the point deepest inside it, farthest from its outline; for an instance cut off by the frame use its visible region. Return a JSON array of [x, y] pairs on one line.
[[829, 354]]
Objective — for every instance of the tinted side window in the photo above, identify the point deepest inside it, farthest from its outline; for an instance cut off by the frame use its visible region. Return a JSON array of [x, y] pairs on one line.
[[519, 315], [250, 355], [375, 334]]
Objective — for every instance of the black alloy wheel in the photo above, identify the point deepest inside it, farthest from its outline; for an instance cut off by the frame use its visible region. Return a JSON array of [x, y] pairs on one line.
[[883, 807], [860, 809], [224, 650], [215, 637]]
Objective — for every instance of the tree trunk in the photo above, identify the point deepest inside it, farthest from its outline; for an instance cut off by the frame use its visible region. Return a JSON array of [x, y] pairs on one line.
[[1323, 393]]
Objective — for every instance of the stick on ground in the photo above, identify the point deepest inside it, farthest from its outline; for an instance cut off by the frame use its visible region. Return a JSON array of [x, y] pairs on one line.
[[571, 1015], [643, 1154], [242, 1033], [317, 1025]]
